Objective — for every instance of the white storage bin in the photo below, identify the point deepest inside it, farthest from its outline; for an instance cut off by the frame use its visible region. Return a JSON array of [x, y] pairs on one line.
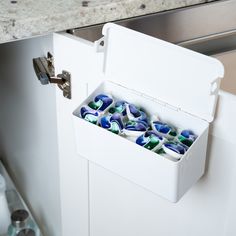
[[179, 85]]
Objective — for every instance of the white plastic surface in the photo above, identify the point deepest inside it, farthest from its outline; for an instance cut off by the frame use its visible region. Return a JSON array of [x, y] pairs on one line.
[[127, 159], [172, 74], [179, 85]]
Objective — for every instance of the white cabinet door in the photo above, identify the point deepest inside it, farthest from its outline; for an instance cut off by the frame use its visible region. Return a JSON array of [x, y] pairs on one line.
[[96, 202], [120, 208], [85, 65]]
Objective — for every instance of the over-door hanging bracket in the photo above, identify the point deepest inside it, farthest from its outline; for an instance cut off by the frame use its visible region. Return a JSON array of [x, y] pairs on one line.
[[44, 69]]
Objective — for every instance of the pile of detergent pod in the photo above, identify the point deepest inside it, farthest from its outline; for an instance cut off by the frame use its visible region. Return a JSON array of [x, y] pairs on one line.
[[133, 123]]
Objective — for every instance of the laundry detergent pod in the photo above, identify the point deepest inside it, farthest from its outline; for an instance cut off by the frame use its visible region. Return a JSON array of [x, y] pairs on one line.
[[119, 107], [89, 114], [150, 140], [174, 149], [135, 128], [187, 137], [135, 114], [112, 123], [164, 129], [101, 102]]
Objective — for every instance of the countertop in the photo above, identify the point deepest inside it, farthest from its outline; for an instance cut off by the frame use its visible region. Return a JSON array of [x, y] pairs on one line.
[[21, 19]]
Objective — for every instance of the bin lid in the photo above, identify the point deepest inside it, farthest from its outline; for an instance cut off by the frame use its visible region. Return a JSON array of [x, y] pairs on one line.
[[174, 75]]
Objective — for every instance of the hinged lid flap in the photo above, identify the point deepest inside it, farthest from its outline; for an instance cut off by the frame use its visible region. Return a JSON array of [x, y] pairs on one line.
[[178, 76]]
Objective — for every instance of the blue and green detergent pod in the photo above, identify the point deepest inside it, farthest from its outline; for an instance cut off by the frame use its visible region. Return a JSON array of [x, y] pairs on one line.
[[150, 140], [164, 129], [112, 123], [174, 149], [89, 114], [119, 107], [187, 137], [135, 128], [101, 102], [136, 114]]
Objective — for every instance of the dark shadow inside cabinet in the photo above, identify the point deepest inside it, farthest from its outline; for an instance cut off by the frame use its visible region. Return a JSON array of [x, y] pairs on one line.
[[28, 132]]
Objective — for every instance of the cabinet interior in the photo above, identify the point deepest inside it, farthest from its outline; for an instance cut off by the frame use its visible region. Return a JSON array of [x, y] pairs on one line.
[[28, 132]]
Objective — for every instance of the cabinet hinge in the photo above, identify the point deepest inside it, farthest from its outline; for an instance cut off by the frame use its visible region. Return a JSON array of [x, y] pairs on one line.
[[45, 71]]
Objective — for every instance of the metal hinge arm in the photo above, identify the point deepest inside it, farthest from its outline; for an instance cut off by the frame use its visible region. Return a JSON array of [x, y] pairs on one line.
[[44, 69], [56, 80]]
